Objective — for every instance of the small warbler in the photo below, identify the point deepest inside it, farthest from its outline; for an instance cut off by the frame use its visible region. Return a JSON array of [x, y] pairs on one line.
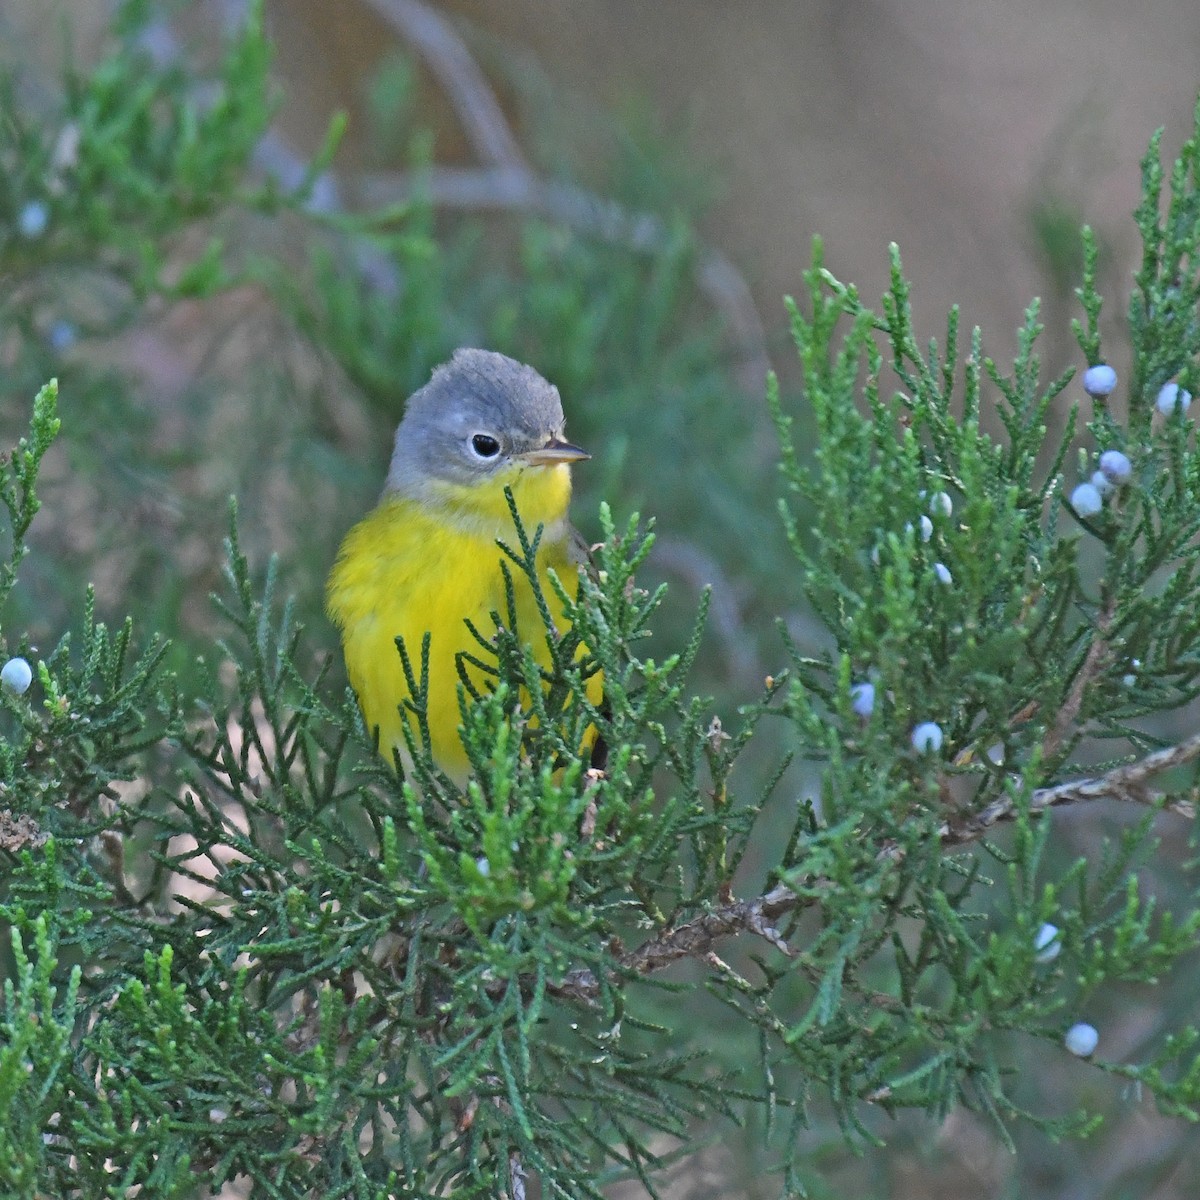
[[426, 559]]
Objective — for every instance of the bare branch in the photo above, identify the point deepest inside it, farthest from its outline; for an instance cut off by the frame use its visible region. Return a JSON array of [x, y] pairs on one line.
[[694, 939], [1093, 663], [517, 190], [506, 182], [516, 1177], [447, 56], [1127, 783]]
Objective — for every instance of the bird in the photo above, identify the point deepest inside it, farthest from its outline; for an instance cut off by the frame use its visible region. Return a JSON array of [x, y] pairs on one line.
[[426, 559]]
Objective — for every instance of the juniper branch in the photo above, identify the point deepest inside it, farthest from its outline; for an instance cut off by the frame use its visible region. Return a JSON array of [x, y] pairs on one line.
[[695, 938]]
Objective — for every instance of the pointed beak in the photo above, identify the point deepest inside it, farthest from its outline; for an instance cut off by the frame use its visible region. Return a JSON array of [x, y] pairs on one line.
[[553, 453]]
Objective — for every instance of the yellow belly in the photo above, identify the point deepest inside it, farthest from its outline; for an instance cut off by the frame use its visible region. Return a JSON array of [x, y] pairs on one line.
[[404, 572]]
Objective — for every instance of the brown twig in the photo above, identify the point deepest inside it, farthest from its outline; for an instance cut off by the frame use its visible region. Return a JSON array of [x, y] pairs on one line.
[[1127, 784], [693, 939], [1093, 663], [516, 1177]]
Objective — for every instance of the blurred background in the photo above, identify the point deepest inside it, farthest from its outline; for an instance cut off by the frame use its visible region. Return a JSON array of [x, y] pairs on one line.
[[621, 194]]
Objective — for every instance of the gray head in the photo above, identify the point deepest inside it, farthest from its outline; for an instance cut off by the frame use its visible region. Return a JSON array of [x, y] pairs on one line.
[[480, 415]]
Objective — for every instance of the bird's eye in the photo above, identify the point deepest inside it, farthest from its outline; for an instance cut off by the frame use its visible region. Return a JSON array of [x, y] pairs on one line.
[[485, 445]]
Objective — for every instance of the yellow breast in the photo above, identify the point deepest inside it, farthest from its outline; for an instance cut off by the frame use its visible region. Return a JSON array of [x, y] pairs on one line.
[[411, 568]]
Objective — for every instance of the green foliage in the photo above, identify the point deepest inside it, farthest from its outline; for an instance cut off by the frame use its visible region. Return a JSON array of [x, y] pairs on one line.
[[36, 1031], [342, 943], [18, 476], [245, 948], [122, 190], [130, 158], [1162, 307]]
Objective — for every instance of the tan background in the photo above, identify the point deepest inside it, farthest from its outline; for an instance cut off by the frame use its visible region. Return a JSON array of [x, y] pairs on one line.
[[938, 125]]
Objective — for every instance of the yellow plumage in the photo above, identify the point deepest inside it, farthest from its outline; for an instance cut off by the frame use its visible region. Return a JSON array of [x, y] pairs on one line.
[[417, 566]]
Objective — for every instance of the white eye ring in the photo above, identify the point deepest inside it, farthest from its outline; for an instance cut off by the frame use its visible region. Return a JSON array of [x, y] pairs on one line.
[[483, 445]]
